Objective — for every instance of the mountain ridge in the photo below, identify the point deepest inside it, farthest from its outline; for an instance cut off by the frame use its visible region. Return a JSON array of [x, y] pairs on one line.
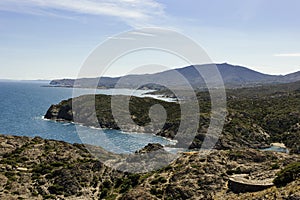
[[233, 76]]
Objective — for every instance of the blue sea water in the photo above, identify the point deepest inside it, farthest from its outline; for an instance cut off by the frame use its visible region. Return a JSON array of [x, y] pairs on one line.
[[277, 149], [23, 105]]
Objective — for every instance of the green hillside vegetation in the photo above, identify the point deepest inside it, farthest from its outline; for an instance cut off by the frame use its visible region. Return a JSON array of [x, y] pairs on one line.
[[288, 174], [256, 116]]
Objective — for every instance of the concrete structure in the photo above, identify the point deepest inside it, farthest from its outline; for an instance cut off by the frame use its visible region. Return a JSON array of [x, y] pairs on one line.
[[239, 184]]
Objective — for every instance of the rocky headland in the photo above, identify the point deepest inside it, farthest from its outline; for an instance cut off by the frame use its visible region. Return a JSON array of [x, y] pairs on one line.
[[256, 117]]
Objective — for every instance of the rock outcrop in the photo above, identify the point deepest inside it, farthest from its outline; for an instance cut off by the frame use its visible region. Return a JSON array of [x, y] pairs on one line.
[[150, 148]]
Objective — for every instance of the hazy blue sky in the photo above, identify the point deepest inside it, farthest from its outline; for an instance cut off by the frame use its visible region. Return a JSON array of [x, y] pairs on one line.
[[50, 39]]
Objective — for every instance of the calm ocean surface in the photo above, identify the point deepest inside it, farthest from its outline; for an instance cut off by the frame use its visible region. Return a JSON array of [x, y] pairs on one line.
[[23, 104]]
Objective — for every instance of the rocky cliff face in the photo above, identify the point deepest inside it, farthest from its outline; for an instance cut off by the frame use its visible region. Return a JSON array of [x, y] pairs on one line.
[[34, 168], [60, 112]]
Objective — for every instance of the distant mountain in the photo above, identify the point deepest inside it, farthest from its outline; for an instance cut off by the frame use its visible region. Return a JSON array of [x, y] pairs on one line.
[[292, 77], [26, 81], [233, 76]]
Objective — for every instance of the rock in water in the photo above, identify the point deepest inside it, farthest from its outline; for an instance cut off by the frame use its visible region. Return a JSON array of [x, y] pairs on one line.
[[151, 147]]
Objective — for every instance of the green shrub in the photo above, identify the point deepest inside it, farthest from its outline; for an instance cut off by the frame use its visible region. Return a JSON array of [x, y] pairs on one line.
[[111, 197], [49, 196], [57, 164], [42, 169], [106, 184], [288, 174], [158, 180], [134, 179], [157, 192], [10, 175], [56, 189], [104, 193], [125, 186], [275, 166]]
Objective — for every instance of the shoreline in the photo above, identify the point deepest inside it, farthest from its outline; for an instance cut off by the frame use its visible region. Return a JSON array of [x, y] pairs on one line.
[[169, 140], [147, 93]]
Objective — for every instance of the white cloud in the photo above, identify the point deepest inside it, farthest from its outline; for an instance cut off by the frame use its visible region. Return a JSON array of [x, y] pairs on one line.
[[288, 55], [133, 12], [142, 34]]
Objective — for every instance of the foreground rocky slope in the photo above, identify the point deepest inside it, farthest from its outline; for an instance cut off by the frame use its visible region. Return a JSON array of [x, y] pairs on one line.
[[34, 168]]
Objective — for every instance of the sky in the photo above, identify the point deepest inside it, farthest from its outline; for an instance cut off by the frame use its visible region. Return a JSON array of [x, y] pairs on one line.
[[41, 39]]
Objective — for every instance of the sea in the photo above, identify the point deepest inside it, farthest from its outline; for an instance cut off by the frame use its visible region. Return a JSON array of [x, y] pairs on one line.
[[23, 105]]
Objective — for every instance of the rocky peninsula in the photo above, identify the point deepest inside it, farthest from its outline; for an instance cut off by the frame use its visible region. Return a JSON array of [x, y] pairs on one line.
[[256, 117]]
